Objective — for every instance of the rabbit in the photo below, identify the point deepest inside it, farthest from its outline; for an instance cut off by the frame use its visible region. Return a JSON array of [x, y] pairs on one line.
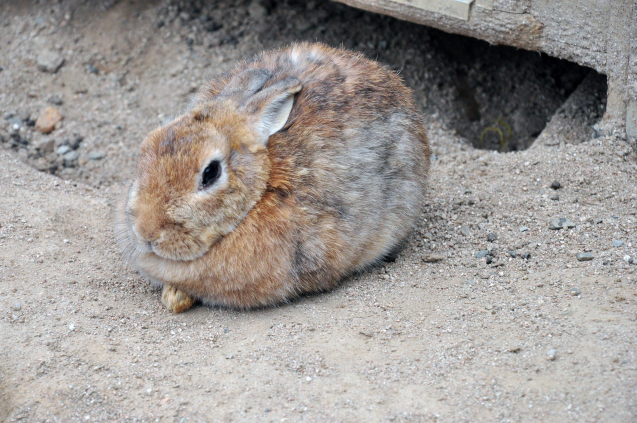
[[287, 174]]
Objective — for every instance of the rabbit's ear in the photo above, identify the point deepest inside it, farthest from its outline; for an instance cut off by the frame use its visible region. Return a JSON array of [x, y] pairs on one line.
[[244, 85], [268, 110]]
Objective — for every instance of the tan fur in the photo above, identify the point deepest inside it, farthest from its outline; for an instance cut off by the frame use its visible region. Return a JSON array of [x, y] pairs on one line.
[[332, 192]]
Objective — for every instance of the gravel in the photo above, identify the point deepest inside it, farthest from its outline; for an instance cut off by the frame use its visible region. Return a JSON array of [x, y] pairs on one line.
[[49, 61], [551, 355], [561, 223], [585, 256]]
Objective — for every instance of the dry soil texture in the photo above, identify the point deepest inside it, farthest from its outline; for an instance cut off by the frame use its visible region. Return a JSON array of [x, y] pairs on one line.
[[507, 325]]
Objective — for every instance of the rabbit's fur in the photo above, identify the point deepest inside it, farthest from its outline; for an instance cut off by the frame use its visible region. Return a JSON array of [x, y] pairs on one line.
[[323, 161]]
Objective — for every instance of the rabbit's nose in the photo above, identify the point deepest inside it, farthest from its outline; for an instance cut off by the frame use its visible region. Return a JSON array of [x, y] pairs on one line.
[[147, 228]]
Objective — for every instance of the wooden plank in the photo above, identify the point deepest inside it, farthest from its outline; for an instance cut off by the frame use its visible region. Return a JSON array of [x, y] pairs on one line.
[[454, 8]]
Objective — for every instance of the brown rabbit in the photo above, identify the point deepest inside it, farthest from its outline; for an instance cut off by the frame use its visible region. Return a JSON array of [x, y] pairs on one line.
[[289, 172]]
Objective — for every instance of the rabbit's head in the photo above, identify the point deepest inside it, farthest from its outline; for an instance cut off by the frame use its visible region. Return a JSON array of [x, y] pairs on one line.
[[200, 175]]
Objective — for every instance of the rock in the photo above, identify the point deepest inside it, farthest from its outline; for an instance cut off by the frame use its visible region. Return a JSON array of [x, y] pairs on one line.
[[575, 291], [45, 146], [75, 143], [465, 231], [513, 254], [70, 158], [482, 254], [55, 99], [17, 307], [525, 256], [555, 197], [96, 155], [63, 149], [561, 223], [524, 228], [556, 185], [491, 237], [585, 256], [551, 355], [49, 61], [432, 258], [618, 243], [92, 69], [47, 120]]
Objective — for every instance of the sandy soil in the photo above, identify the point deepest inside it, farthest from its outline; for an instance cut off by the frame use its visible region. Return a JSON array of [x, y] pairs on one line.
[[526, 333]]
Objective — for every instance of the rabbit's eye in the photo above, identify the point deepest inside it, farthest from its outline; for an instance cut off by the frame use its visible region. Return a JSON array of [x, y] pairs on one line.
[[211, 173]]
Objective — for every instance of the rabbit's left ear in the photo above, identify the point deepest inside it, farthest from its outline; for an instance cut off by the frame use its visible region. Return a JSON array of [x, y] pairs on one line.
[[268, 110]]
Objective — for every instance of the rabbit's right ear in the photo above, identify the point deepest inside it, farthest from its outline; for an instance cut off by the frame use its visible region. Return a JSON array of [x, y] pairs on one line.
[[244, 85], [268, 110]]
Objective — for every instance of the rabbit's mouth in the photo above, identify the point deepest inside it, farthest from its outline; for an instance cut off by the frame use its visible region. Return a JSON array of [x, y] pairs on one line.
[[177, 247]]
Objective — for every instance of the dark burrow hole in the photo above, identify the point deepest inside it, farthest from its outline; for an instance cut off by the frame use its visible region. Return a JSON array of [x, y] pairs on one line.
[[504, 98]]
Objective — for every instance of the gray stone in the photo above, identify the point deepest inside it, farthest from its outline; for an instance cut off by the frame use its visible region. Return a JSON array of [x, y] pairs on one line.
[[491, 237], [561, 223], [618, 243], [63, 149], [55, 99], [551, 354], [575, 291], [96, 155], [70, 158], [45, 146], [482, 254], [49, 61], [75, 144], [555, 197], [585, 256], [465, 231]]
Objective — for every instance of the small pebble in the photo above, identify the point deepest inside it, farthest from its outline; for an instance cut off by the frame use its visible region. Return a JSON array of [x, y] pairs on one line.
[[556, 185], [432, 258], [524, 228], [72, 326], [17, 307], [561, 223], [96, 155], [585, 256], [491, 237], [618, 243], [575, 291], [92, 69], [555, 197], [513, 254], [75, 144], [551, 354], [482, 254], [48, 120], [55, 99], [49, 61], [309, 379], [525, 256], [63, 149], [465, 231]]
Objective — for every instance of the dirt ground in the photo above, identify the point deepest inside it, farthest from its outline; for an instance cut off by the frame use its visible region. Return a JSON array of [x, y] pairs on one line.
[[508, 325]]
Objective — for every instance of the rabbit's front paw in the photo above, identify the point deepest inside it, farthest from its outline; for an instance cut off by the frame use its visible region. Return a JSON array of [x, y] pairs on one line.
[[175, 300]]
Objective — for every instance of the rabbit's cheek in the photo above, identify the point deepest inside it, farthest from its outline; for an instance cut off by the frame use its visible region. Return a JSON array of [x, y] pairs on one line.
[[177, 246]]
